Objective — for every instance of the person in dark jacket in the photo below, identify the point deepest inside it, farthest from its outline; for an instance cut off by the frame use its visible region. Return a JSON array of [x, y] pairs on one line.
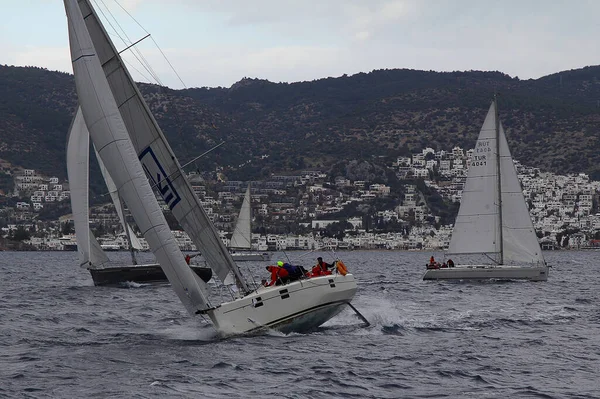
[[294, 272]]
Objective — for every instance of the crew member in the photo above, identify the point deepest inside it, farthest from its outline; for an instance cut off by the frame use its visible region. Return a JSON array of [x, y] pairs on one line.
[[321, 268], [279, 275]]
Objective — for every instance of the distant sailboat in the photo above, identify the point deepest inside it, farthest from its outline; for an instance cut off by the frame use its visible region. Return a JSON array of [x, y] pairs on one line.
[[139, 159], [240, 245], [91, 253], [493, 219]]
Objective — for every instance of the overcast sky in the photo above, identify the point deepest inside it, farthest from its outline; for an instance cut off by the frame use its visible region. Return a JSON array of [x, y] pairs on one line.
[[218, 42]]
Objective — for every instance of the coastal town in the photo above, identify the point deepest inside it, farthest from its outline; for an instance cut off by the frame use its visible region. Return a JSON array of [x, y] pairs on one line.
[[317, 210]]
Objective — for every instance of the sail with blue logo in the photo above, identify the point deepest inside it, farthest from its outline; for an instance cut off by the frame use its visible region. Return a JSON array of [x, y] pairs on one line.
[[158, 160]]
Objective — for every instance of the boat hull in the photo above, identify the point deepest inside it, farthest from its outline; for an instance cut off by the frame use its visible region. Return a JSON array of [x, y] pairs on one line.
[[486, 272], [251, 256], [148, 274], [300, 306]]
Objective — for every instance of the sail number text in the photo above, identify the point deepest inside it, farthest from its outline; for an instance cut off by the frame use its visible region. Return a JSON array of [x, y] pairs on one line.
[[481, 150]]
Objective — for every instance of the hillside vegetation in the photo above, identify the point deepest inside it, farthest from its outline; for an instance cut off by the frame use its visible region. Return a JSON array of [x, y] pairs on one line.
[[551, 122]]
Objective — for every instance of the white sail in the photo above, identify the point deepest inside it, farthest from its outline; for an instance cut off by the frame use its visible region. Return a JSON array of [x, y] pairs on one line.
[[156, 155], [521, 244], [477, 226], [114, 195], [242, 234], [476, 229], [110, 137], [97, 255], [78, 150]]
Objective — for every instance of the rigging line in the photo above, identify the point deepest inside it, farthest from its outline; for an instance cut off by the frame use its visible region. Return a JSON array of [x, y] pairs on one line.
[[203, 154], [137, 51], [140, 57], [180, 170], [142, 61], [145, 63], [169, 62], [137, 70], [156, 44], [133, 44]]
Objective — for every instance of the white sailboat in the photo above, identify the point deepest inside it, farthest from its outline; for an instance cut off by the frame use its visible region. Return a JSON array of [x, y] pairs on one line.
[[493, 219], [138, 157], [240, 245], [92, 255]]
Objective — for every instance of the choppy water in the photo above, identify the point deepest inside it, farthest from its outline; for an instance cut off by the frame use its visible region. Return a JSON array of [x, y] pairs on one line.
[[62, 337]]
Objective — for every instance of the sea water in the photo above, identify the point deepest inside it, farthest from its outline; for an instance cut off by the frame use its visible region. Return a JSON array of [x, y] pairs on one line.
[[61, 337]]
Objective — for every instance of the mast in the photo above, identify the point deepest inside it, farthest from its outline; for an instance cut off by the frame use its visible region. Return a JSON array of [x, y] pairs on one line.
[[127, 234], [499, 178]]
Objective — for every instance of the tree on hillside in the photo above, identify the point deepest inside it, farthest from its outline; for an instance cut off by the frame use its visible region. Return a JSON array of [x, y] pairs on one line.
[[20, 234], [67, 228]]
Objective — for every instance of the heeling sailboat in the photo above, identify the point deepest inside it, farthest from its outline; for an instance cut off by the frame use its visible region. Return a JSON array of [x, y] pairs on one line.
[[240, 244], [121, 127], [155, 153], [493, 219], [91, 254]]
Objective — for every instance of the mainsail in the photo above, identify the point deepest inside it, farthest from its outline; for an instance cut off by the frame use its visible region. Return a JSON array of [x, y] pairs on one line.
[[155, 154], [477, 225], [110, 136], [78, 151], [242, 234], [487, 202]]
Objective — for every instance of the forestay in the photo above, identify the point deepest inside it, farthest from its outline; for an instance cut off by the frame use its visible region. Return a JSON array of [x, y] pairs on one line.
[[111, 139], [78, 152], [242, 234], [155, 154]]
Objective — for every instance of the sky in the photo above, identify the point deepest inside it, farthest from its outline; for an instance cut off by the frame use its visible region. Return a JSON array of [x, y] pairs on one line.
[[218, 42]]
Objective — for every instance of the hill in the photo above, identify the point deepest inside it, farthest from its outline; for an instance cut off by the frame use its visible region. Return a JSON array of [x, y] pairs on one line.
[[550, 122]]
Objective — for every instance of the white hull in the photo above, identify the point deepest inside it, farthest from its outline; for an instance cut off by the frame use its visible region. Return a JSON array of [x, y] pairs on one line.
[[249, 256], [487, 272], [299, 306]]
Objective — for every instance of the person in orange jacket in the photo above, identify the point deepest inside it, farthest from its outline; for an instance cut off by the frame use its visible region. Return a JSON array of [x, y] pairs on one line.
[[279, 275], [432, 264]]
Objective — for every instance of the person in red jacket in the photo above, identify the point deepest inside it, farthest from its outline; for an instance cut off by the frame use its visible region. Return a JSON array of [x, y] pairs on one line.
[[279, 275], [321, 268]]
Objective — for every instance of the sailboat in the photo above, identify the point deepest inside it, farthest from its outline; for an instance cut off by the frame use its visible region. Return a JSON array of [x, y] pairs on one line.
[[139, 159], [92, 255], [240, 245], [493, 219]]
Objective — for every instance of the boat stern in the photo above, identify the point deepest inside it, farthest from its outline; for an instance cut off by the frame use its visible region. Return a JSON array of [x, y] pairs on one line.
[[299, 306]]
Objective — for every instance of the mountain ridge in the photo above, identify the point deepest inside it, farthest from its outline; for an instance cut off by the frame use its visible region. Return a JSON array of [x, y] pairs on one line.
[[551, 122]]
